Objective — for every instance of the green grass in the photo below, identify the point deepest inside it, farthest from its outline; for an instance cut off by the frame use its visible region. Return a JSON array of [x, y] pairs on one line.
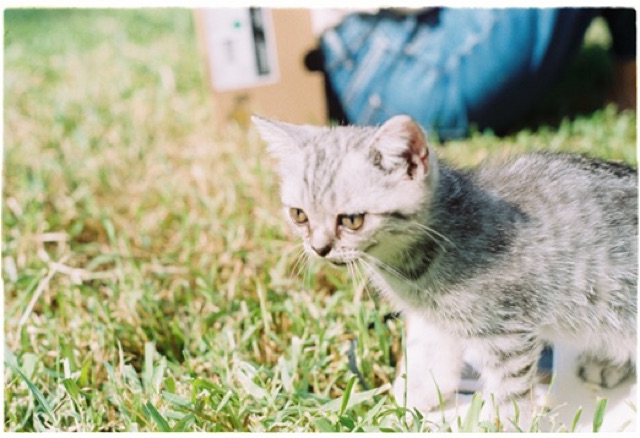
[[149, 280]]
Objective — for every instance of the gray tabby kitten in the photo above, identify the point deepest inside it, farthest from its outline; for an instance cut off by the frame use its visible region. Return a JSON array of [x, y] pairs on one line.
[[494, 261]]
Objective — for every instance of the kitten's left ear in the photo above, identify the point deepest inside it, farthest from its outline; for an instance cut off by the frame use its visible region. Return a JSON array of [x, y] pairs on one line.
[[283, 139], [400, 143]]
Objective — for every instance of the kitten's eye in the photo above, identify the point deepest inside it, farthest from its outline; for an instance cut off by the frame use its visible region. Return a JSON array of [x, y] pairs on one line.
[[298, 216], [351, 221]]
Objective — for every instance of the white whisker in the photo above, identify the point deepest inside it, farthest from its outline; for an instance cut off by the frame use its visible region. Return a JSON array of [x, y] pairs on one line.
[[363, 280], [388, 268], [433, 234], [296, 269], [354, 280], [306, 265]]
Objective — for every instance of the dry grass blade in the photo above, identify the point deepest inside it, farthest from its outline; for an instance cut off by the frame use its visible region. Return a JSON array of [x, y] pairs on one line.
[[42, 285]]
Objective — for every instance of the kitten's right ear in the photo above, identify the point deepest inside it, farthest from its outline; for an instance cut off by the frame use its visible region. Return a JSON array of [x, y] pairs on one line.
[[400, 144], [282, 138]]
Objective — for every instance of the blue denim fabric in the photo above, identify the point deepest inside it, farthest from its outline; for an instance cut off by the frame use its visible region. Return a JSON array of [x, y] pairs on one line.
[[452, 67]]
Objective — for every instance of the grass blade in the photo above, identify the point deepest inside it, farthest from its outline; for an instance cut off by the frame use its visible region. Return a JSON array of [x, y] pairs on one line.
[[598, 416], [471, 419], [346, 395], [184, 423], [38, 396], [72, 388], [323, 425], [576, 418], [176, 399], [149, 351], [158, 418], [353, 399]]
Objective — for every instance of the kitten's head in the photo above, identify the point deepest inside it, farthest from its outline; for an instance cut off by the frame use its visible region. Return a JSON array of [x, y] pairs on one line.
[[351, 191]]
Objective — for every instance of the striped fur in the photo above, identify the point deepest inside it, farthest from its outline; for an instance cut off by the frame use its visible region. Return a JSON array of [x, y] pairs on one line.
[[493, 262]]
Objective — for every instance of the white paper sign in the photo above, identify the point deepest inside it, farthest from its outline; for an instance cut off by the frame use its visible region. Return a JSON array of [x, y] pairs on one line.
[[241, 46]]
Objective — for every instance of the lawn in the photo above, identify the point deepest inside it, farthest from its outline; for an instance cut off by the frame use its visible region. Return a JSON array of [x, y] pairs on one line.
[[150, 283]]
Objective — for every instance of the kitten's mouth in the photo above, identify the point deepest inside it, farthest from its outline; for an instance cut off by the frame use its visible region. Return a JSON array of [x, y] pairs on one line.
[[336, 258]]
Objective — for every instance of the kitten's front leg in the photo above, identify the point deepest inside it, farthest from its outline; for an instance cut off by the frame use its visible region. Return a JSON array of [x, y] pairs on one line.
[[433, 364], [509, 371]]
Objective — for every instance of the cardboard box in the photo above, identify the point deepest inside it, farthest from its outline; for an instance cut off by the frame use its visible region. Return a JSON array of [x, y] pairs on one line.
[[255, 64]]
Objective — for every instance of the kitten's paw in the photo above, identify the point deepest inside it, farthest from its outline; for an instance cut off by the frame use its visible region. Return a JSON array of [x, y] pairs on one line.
[[603, 372], [421, 394]]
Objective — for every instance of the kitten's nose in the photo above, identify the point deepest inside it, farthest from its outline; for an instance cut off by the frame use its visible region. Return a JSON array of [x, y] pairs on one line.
[[322, 251]]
